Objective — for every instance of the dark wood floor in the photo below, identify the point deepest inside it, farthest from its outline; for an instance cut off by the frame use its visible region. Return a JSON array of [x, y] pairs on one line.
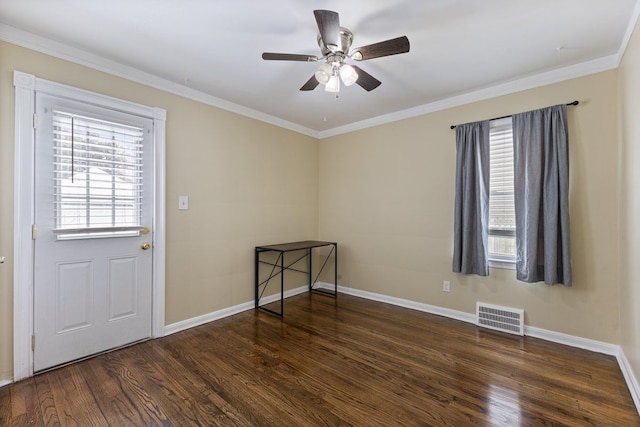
[[354, 362]]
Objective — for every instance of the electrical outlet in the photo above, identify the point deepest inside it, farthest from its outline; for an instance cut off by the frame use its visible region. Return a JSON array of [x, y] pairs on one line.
[[446, 286]]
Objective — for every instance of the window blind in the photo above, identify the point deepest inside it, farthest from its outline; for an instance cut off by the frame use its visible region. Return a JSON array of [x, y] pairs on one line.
[[97, 176], [502, 224]]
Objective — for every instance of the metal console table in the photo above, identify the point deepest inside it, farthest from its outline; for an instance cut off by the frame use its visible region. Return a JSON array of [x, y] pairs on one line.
[[278, 267]]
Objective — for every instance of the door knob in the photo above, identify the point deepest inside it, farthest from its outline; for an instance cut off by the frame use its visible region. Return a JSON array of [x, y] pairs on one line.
[[145, 246]]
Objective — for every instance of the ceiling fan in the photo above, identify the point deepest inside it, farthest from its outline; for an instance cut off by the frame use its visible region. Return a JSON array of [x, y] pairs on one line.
[[335, 42]]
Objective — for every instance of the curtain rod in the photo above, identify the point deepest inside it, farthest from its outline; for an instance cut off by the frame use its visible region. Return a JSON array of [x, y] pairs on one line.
[[504, 117]]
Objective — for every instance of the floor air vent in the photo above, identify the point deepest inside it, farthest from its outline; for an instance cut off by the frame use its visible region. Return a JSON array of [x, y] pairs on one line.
[[503, 319]]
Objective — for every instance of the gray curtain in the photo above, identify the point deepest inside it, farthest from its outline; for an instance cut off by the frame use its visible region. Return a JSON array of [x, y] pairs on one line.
[[472, 199], [541, 179]]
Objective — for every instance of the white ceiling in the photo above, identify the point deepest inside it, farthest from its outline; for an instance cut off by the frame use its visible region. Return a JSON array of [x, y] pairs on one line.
[[211, 50]]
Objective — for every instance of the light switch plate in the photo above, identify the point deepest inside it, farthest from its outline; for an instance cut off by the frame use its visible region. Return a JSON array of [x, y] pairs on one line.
[[183, 203]]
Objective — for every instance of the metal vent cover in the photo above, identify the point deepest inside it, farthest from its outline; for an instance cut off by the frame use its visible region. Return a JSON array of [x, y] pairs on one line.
[[505, 319]]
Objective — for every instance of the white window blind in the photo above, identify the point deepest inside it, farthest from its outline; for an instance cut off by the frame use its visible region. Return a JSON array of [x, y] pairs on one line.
[[502, 221], [97, 176]]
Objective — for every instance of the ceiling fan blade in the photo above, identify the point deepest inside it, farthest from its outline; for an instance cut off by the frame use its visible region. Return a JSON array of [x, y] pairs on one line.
[[311, 84], [385, 48], [269, 56], [366, 80], [329, 26]]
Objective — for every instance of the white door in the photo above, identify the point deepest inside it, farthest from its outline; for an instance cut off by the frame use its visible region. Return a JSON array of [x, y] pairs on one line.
[[93, 212]]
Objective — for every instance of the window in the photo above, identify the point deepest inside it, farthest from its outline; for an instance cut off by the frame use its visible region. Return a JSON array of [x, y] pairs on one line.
[[502, 220], [97, 177]]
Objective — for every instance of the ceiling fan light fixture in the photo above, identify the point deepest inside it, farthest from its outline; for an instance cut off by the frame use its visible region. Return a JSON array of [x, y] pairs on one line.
[[348, 74], [324, 73], [335, 48], [333, 85]]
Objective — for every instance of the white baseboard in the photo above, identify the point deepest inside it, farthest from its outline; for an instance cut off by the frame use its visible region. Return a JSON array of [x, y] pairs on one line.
[[226, 312], [572, 341], [557, 337], [630, 378], [446, 312], [5, 382]]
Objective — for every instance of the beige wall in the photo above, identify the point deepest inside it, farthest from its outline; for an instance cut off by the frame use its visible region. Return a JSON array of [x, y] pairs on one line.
[[630, 203], [248, 183], [387, 195]]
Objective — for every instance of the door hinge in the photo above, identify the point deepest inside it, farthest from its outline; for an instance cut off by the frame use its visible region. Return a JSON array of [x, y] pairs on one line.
[[35, 121], [33, 342], [34, 231]]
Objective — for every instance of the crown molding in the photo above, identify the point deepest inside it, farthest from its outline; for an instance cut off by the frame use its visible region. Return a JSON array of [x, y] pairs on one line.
[[40, 44], [538, 80], [607, 63], [630, 28], [59, 50]]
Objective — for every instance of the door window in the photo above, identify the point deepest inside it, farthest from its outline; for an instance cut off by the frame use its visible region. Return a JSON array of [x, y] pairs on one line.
[[97, 176]]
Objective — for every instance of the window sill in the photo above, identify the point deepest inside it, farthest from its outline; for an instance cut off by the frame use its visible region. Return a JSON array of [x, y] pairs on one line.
[[506, 265]]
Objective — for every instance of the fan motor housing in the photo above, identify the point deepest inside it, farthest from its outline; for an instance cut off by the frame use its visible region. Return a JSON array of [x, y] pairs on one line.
[[346, 38]]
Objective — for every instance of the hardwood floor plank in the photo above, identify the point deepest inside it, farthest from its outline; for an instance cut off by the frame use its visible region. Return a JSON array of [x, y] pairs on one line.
[[218, 381], [390, 373], [116, 392], [46, 401], [141, 402], [5, 406], [25, 406], [263, 385], [173, 386], [344, 362], [74, 402]]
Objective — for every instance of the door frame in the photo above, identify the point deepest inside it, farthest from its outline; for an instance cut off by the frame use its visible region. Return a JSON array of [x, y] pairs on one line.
[[26, 86]]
